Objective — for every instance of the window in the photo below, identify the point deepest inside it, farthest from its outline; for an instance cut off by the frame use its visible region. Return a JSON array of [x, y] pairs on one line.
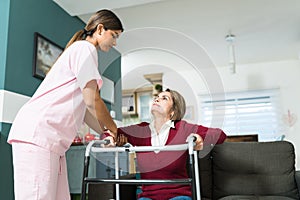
[[245, 113], [144, 103]]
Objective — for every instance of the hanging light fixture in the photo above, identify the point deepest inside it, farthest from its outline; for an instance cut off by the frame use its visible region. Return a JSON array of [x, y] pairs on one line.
[[230, 39]]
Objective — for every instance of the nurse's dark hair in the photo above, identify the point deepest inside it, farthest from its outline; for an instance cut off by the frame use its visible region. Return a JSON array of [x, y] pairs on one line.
[[107, 18], [179, 106]]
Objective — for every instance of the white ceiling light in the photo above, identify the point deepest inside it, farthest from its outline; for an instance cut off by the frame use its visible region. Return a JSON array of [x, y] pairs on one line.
[[231, 52]]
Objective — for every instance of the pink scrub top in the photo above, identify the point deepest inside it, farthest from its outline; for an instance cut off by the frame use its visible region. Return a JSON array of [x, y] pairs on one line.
[[55, 112]]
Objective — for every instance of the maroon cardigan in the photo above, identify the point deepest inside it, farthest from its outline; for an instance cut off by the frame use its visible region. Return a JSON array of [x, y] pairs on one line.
[[167, 165]]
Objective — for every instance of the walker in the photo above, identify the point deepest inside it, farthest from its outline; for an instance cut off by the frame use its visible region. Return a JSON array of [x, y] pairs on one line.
[[193, 180]]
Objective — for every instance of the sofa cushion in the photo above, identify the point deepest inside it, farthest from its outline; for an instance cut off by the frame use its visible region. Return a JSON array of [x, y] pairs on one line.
[[205, 171], [254, 168]]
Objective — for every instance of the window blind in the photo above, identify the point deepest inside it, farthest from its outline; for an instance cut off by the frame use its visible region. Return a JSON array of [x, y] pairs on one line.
[[245, 113]]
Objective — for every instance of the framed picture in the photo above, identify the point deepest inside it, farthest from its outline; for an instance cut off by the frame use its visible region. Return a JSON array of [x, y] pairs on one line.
[[129, 104], [45, 54]]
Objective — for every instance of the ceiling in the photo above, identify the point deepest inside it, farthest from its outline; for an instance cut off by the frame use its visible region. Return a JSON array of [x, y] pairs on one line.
[[265, 30]]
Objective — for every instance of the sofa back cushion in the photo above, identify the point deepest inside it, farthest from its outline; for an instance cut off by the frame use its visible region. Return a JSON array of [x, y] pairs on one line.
[[205, 172], [255, 168]]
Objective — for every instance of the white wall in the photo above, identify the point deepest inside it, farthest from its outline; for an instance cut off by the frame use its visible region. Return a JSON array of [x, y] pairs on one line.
[[10, 103]]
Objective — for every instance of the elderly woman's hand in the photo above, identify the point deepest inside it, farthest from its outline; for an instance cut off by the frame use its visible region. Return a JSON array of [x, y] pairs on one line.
[[121, 140], [198, 142]]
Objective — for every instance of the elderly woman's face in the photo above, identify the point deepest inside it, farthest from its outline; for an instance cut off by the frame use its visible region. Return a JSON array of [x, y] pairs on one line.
[[162, 104]]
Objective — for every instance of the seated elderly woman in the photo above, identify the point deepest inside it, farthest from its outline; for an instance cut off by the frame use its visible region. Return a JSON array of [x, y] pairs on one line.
[[166, 128]]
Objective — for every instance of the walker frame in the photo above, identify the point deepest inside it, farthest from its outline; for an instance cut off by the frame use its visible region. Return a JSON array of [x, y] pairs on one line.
[[193, 179]]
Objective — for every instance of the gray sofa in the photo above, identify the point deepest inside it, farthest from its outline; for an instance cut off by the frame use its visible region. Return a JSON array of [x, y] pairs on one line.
[[242, 171], [249, 170]]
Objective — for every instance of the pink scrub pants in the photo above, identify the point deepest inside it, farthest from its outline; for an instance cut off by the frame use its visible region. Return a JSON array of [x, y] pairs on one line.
[[38, 173]]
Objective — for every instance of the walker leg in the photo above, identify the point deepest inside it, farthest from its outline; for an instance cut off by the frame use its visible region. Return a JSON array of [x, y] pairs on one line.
[[197, 176], [117, 175], [85, 174], [192, 176]]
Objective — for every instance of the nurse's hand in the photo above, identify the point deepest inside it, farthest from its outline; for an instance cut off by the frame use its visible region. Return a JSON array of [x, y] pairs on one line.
[[107, 136], [111, 143]]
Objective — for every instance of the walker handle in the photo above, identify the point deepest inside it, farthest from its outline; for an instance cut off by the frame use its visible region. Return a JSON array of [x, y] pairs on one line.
[[191, 143]]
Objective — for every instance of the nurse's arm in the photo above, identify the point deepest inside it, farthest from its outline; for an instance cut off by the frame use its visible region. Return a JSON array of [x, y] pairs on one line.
[[97, 115]]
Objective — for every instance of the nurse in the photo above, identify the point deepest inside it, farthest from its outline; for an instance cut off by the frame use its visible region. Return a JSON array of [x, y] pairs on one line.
[[46, 125]]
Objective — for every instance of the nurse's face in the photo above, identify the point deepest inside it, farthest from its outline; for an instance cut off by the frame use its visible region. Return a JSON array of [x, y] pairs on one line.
[[104, 39], [108, 39]]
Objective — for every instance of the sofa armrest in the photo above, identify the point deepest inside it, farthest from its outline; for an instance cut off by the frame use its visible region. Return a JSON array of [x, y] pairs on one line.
[[297, 177]]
